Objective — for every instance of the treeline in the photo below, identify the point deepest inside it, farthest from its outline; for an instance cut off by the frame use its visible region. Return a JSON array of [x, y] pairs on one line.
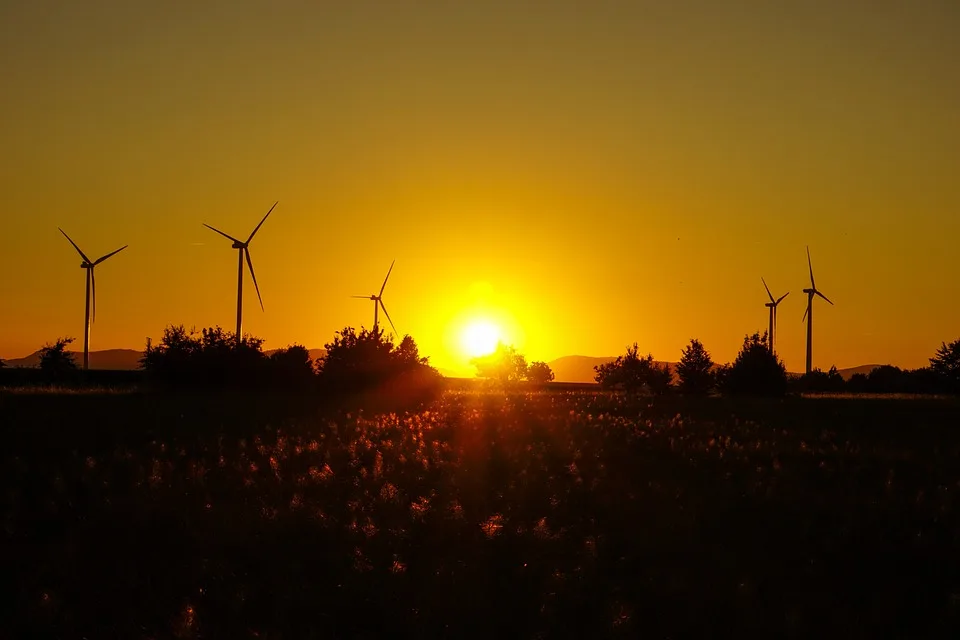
[[356, 363], [758, 371]]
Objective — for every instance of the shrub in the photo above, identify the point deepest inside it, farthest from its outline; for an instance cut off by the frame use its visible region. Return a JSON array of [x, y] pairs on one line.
[[539, 373], [756, 371], [56, 363], [633, 373], [695, 370]]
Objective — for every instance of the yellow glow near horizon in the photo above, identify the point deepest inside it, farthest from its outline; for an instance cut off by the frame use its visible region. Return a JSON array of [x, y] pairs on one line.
[[479, 338]]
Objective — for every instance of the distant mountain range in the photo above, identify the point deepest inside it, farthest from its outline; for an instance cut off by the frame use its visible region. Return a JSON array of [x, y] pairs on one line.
[[116, 359], [580, 368]]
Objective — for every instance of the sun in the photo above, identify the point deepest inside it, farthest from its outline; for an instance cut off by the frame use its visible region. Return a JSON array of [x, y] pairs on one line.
[[479, 338]]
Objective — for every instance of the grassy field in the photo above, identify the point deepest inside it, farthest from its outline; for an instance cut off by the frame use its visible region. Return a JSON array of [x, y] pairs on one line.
[[551, 514]]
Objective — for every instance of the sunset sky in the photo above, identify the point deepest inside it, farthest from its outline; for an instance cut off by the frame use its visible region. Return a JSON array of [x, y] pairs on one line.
[[582, 175]]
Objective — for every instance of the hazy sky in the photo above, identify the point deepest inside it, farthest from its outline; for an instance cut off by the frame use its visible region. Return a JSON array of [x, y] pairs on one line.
[[586, 174]]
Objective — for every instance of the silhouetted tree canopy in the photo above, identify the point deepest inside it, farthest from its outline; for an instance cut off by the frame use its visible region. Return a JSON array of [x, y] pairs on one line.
[[858, 383], [755, 371], [695, 369], [292, 366], [212, 358], [539, 373], [56, 362], [886, 379], [946, 364], [633, 373], [822, 382], [368, 361], [504, 365]]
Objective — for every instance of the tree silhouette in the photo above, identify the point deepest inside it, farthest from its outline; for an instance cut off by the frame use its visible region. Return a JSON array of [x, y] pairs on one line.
[[755, 371], [822, 382], [633, 373], [946, 364], [539, 373], [367, 361], [55, 361], [695, 369], [858, 383], [292, 367], [504, 365], [886, 379], [209, 358]]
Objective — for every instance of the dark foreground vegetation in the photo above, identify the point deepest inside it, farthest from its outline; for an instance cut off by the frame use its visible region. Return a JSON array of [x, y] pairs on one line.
[[488, 514]]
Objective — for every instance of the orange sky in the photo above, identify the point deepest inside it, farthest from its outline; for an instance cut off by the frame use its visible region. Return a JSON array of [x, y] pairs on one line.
[[587, 174]]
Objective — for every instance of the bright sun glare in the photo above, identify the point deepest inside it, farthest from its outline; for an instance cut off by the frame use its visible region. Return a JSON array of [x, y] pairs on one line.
[[479, 338]]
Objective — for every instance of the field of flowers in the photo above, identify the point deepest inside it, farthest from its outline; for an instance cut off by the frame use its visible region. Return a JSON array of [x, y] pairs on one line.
[[492, 514]]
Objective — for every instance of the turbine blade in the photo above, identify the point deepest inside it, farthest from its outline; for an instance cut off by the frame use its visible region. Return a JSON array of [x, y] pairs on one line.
[[780, 299], [805, 313], [767, 288], [220, 232], [823, 296], [82, 255], [262, 221], [246, 252], [388, 317], [93, 291], [810, 264], [387, 278], [101, 259], [364, 297]]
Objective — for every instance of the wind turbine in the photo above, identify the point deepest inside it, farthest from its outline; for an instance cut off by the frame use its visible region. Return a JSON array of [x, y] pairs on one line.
[[243, 250], [378, 302], [808, 314], [772, 305], [91, 294]]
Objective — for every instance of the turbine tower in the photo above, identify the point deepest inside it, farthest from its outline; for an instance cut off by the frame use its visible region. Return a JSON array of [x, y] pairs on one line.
[[808, 314], [378, 302], [772, 305], [91, 294], [243, 250]]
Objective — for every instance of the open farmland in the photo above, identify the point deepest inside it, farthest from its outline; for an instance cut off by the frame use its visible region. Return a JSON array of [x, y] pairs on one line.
[[541, 514]]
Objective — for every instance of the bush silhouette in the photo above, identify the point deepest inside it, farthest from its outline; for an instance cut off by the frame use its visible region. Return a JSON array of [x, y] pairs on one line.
[[504, 365], [822, 382], [756, 371], [539, 373], [886, 379], [695, 370], [292, 368], [858, 383], [56, 363], [633, 373], [210, 358], [367, 361]]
